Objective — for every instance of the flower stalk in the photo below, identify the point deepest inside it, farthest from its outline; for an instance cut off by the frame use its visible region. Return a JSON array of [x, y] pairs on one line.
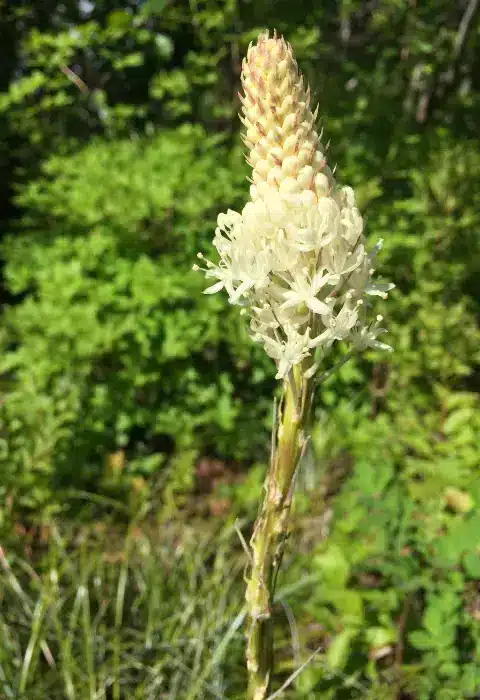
[[271, 529]]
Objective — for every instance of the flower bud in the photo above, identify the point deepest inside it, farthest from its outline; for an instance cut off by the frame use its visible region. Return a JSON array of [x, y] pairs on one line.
[[280, 127]]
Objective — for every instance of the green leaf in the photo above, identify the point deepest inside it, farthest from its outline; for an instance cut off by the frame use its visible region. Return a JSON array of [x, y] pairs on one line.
[[458, 419], [471, 562], [339, 650], [433, 619], [132, 60], [119, 19], [333, 566], [421, 640]]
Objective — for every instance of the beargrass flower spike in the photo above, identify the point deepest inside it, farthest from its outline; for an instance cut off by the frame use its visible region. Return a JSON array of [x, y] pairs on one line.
[[295, 259]]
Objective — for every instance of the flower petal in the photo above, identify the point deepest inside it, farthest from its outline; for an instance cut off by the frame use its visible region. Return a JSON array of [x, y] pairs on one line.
[[214, 288], [317, 306]]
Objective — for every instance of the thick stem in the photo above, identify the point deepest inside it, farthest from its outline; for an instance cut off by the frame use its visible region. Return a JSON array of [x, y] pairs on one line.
[[271, 530]]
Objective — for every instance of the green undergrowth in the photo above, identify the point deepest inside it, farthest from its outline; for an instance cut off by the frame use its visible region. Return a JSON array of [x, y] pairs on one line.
[[379, 588]]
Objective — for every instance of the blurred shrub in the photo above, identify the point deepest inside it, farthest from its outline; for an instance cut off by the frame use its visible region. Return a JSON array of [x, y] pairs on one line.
[[112, 359]]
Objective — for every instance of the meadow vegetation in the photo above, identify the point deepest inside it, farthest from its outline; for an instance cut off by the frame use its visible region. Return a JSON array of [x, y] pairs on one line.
[[135, 411]]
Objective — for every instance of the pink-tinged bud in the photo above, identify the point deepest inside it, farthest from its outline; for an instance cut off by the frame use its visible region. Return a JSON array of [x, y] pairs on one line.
[[279, 124]]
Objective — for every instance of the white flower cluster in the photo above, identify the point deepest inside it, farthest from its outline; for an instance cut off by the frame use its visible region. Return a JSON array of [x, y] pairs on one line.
[[295, 257]]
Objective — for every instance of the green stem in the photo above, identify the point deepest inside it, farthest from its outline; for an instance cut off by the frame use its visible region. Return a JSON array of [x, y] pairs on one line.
[[271, 530]]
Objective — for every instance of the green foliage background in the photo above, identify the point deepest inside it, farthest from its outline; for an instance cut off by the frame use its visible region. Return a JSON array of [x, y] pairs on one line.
[[131, 399]]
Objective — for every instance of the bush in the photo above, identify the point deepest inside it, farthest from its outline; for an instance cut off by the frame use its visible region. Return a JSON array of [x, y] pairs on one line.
[[113, 360]]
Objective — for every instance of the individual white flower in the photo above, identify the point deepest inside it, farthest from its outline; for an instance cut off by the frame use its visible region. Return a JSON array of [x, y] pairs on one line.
[[222, 272], [272, 316], [366, 336], [379, 289], [340, 260], [304, 290], [251, 270], [288, 352], [352, 225], [338, 327], [316, 227]]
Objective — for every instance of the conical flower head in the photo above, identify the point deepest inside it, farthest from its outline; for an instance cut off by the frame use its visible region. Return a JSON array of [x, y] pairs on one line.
[[280, 127], [295, 258]]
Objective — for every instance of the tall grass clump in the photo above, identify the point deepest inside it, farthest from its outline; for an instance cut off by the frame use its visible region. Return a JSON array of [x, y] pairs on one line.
[[104, 612]]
